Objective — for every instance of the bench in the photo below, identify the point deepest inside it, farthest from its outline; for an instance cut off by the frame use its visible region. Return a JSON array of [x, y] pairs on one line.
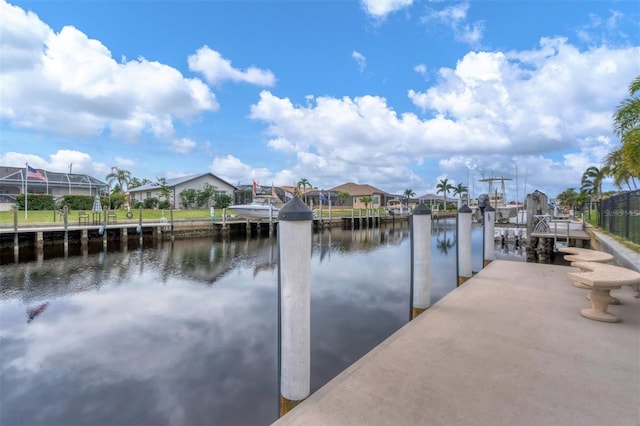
[[576, 254], [83, 217], [602, 278]]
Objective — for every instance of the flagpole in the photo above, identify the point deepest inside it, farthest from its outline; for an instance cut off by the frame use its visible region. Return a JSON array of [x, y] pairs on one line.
[[26, 191]]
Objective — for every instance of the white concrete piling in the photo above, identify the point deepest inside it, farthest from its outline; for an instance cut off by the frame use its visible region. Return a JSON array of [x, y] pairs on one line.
[[464, 244], [294, 241], [420, 259], [489, 223]]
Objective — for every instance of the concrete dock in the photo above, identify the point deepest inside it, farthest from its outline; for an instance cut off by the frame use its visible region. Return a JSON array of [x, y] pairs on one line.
[[508, 347]]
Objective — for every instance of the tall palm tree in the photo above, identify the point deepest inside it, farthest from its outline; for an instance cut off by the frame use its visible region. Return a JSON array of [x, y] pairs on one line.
[[591, 183], [121, 176], [616, 167], [304, 182], [444, 186], [408, 193], [460, 189], [626, 125]]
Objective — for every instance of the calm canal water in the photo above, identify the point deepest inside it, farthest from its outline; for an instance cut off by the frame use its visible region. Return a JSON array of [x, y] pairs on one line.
[[185, 333]]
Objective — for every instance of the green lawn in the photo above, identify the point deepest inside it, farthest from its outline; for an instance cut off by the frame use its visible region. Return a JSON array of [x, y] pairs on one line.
[[50, 216]]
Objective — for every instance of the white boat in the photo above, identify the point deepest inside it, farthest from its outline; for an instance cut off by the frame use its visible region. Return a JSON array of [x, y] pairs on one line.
[[262, 207], [395, 207], [497, 199]]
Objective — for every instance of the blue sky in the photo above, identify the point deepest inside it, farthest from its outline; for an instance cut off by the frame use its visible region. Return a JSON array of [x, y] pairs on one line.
[[395, 93]]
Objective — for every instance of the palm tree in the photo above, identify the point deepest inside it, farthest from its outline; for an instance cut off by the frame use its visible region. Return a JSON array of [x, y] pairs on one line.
[[121, 176], [569, 197], [616, 167], [342, 196], [626, 125], [591, 183], [408, 193], [366, 200], [444, 186], [304, 182], [460, 189]]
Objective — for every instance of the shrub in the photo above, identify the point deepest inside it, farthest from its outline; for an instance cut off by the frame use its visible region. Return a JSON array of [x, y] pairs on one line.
[[35, 202], [150, 203]]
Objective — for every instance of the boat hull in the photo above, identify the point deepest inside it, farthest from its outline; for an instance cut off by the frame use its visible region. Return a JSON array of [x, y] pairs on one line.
[[255, 212]]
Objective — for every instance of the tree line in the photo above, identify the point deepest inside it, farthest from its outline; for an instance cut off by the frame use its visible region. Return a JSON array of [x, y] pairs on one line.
[[622, 164]]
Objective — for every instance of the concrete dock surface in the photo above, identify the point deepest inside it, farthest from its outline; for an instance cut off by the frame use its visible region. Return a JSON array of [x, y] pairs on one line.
[[508, 347]]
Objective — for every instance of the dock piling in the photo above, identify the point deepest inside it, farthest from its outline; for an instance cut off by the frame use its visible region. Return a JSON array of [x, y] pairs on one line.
[[294, 288], [420, 259], [464, 244]]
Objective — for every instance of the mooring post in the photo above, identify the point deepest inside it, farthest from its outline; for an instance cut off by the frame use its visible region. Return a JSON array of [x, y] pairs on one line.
[[65, 213], [16, 239], [489, 226], [420, 259], [294, 242], [464, 244], [104, 229]]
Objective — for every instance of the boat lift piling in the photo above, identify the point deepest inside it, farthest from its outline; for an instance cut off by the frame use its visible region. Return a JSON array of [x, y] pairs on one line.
[[464, 244], [420, 260], [489, 252], [294, 303]]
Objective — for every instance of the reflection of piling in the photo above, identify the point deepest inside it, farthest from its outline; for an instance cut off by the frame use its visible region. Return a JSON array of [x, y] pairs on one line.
[[489, 225], [464, 244], [420, 259], [171, 217], [65, 212], [16, 240], [294, 242], [104, 229]]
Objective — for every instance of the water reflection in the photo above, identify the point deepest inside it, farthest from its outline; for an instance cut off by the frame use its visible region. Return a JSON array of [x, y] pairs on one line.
[[186, 332]]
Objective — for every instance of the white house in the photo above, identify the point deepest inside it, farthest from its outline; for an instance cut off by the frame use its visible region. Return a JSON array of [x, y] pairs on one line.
[[177, 185]]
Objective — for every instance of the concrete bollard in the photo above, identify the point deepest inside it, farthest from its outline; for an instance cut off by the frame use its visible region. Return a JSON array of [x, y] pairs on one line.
[[294, 242], [489, 225], [420, 259], [464, 244]]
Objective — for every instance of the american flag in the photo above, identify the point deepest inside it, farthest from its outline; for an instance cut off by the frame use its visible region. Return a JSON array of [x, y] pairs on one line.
[[35, 174]]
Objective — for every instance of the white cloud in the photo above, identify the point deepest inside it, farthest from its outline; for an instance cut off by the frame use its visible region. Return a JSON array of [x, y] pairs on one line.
[[124, 162], [360, 59], [217, 69], [381, 8], [421, 69], [455, 18], [487, 109], [233, 170], [58, 162], [70, 84], [183, 145]]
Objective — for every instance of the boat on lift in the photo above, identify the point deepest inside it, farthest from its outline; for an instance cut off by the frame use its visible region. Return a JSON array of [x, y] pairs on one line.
[[497, 198], [261, 207]]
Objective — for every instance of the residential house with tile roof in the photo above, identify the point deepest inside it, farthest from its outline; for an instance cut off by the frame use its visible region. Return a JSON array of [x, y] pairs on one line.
[[357, 191]]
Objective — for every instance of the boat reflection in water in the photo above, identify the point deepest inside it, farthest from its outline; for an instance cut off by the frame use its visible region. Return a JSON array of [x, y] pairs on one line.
[[186, 333]]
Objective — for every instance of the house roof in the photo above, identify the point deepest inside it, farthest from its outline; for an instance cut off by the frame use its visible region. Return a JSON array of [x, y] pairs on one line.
[[175, 182], [356, 189], [17, 174]]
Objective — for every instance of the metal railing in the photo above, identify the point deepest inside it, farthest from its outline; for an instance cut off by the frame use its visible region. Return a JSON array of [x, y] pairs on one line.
[[620, 215]]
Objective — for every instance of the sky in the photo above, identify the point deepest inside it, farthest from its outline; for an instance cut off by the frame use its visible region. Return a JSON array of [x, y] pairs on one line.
[[398, 94]]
